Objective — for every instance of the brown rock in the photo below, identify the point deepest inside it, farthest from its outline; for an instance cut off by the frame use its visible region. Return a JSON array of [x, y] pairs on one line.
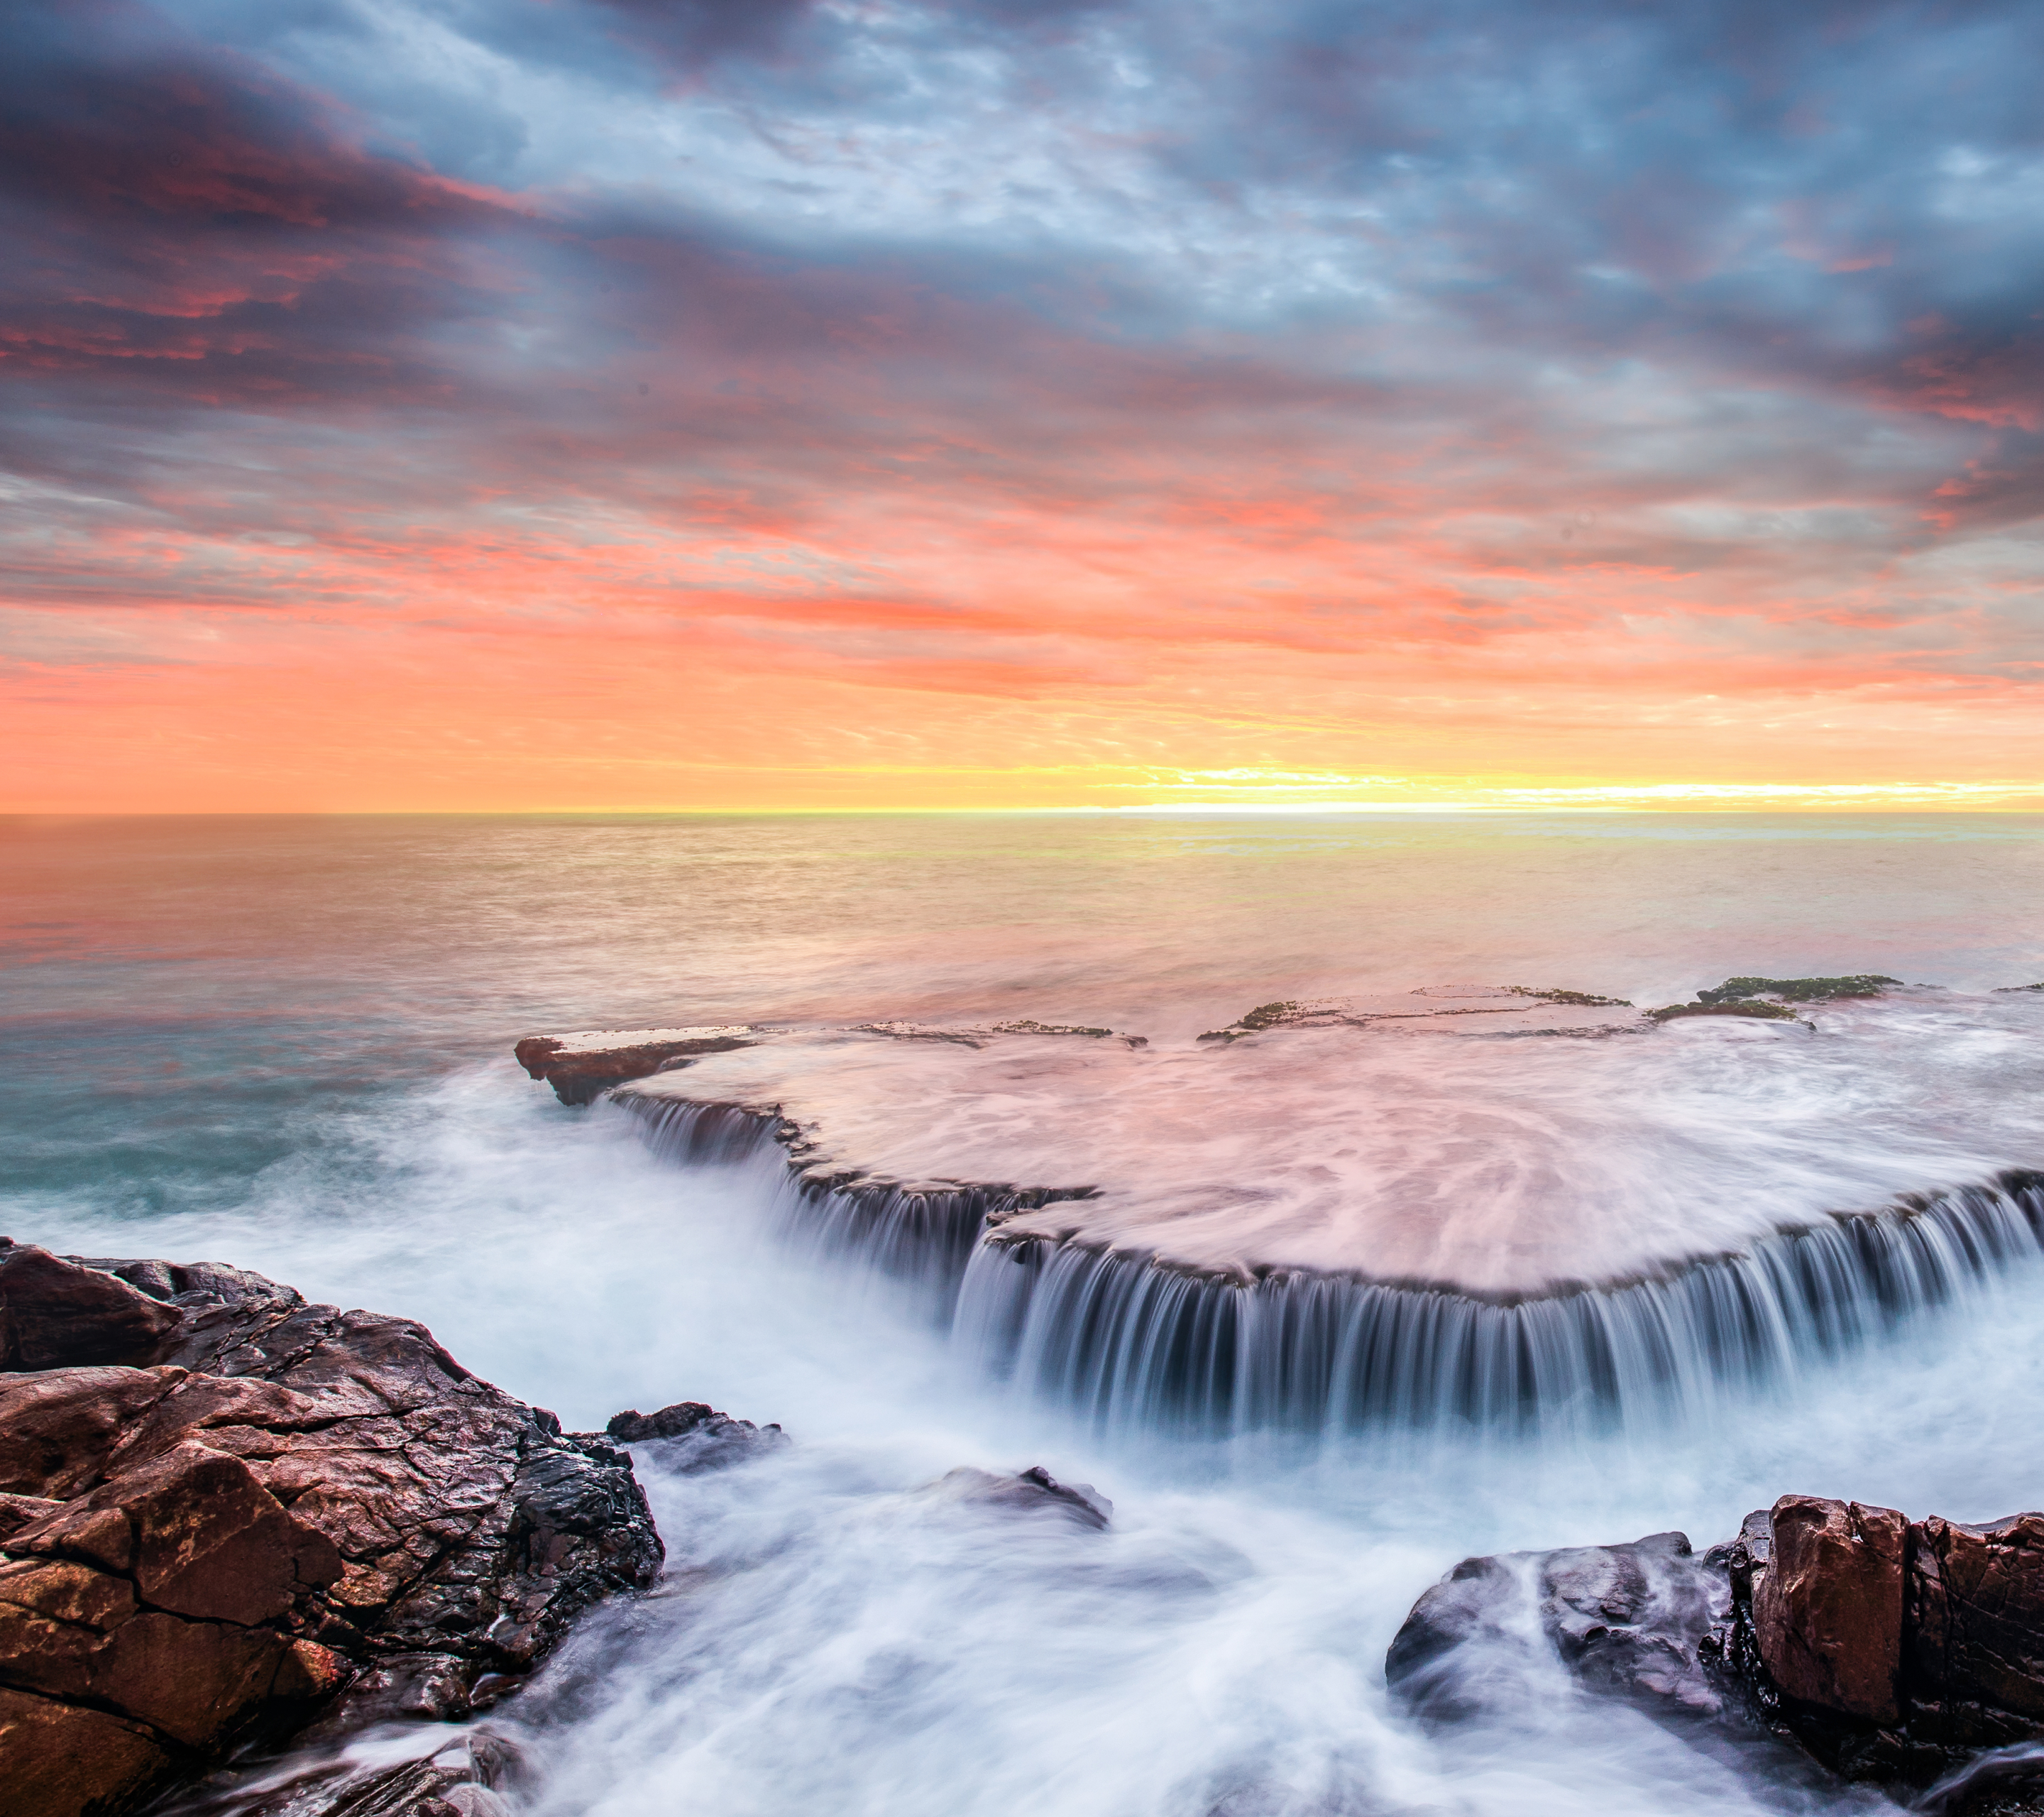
[[1827, 1612], [59, 1760], [17, 1511], [205, 1550], [1976, 1609], [579, 1076], [55, 1314], [203, 1538], [58, 1426]]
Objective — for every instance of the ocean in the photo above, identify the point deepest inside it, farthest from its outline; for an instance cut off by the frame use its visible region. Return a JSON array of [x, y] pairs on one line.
[[286, 1043]]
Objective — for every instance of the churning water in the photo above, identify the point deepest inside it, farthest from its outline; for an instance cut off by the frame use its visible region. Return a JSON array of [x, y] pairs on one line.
[[285, 1044]]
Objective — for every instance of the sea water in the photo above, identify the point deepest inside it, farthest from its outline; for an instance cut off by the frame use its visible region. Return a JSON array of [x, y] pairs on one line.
[[284, 1044]]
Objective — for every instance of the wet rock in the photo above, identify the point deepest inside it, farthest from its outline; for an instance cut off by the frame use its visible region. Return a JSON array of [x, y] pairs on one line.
[[1752, 1008], [1886, 1649], [1974, 1627], [1828, 1612], [1033, 1491], [582, 1067], [693, 1436], [56, 1314], [205, 1550], [1643, 1620], [1763, 999], [1800, 989]]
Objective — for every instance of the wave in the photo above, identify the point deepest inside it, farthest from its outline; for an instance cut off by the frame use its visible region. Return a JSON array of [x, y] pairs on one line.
[[1128, 1340]]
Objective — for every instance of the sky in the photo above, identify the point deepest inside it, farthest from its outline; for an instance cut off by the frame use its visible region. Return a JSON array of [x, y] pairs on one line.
[[758, 404]]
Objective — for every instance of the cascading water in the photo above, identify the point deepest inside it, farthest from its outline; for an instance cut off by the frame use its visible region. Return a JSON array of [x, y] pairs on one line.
[[1129, 1343]]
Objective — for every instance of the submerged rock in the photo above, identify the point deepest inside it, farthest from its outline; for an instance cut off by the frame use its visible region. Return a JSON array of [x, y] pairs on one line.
[[693, 1436], [1033, 1491], [1763, 998], [1492, 1010], [263, 1502], [582, 1067], [1888, 1649]]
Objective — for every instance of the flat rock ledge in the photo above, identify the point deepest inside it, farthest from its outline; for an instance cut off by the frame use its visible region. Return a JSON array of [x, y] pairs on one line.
[[1884, 1650], [224, 1512]]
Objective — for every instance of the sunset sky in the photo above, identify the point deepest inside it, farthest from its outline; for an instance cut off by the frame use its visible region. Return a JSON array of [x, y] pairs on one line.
[[506, 403]]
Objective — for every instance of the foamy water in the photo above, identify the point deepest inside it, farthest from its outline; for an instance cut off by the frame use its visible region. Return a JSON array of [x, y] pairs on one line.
[[340, 1003]]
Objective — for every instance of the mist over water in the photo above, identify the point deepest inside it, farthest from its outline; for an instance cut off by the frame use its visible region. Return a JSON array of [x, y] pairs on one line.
[[338, 1000]]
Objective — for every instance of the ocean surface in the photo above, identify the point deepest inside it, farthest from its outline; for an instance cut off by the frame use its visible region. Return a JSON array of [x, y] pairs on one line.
[[285, 1044]]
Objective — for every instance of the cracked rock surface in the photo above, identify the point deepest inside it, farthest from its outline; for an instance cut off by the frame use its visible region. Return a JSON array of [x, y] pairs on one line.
[[221, 1506]]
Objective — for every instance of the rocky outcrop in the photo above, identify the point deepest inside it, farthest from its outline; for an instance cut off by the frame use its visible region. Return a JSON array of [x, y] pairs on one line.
[[582, 1067], [1889, 1650], [1764, 999], [221, 1506]]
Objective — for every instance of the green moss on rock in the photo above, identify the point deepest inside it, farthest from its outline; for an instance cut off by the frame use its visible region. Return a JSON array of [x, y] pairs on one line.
[[1752, 1007], [1799, 990]]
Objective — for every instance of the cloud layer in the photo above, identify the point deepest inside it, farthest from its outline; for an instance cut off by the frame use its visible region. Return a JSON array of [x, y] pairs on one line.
[[431, 403]]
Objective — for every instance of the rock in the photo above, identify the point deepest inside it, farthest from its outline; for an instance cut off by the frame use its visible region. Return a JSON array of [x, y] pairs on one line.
[[1643, 1620], [1975, 1623], [204, 1549], [1827, 1612], [59, 1426], [693, 1436], [1886, 1649], [55, 1314], [1761, 998], [1752, 1008], [582, 1067], [1800, 989], [1033, 1491], [59, 1759]]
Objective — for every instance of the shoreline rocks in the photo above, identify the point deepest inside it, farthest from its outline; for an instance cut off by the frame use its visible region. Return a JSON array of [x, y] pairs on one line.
[[582, 1067], [221, 1508], [1888, 1650]]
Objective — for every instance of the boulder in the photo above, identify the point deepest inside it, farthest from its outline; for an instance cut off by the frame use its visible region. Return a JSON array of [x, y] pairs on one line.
[[1828, 1612], [220, 1511]]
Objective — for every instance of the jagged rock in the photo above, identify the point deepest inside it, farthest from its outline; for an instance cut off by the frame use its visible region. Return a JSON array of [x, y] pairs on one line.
[[1890, 1650], [206, 1542], [1032, 1491], [693, 1436], [1641, 1620], [582, 1067], [53, 1315]]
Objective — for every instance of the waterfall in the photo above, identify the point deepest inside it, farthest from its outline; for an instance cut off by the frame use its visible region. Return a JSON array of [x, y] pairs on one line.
[[1127, 1340], [923, 1234]]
